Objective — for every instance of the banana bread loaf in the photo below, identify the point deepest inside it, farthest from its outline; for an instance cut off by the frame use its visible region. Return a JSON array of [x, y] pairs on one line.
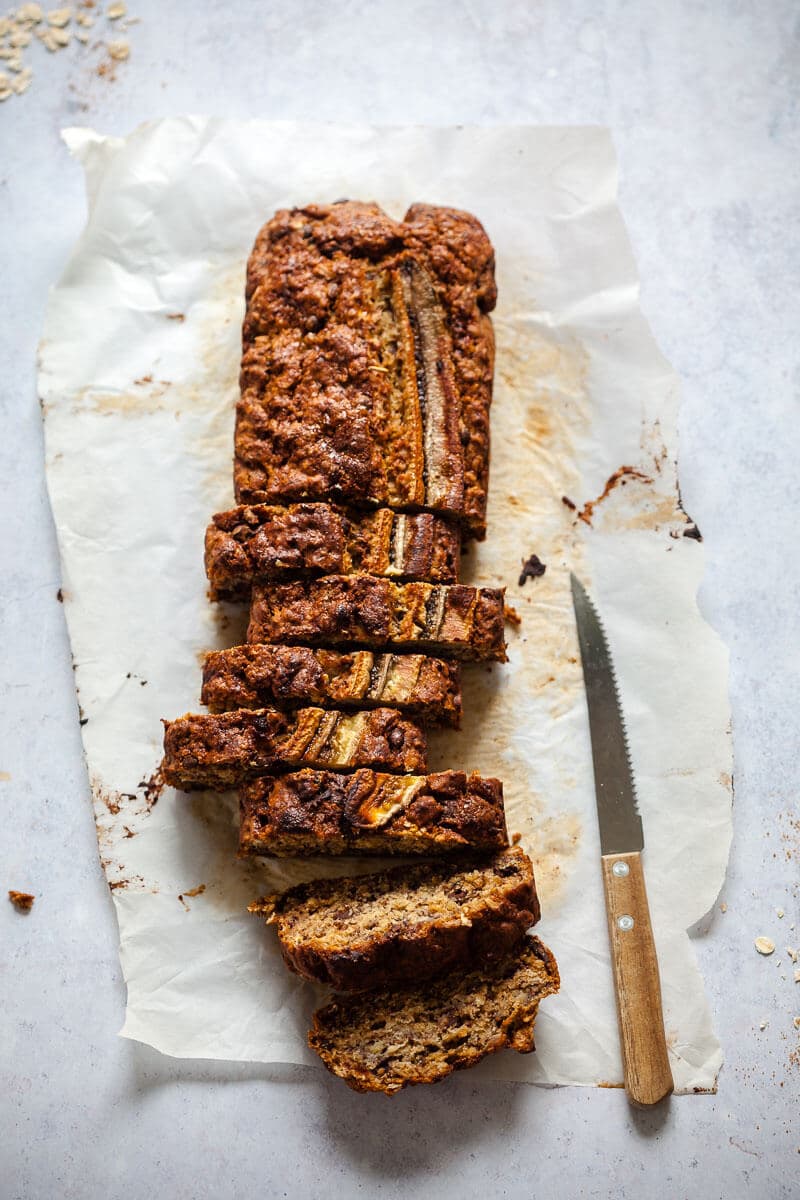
[[260, 676], [219, 752], [411, 922], [358, 610], [322, 812], [367, 361], [264, 541], [382, 1041]]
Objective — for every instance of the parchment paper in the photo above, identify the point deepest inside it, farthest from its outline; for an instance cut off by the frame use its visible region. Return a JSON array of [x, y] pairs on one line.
[[138, 381]]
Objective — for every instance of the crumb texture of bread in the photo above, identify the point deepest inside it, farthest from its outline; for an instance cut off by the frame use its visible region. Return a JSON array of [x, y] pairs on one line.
[[368, 812], [456, 621], [258, 676], [411, 922], [263, 541], [203, 750], [367, 361], [385, 1040]]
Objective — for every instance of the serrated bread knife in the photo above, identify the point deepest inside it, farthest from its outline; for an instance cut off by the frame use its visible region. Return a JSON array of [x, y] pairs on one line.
[[648, 1078]]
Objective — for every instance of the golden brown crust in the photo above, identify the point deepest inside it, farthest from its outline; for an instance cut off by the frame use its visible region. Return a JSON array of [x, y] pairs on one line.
[[383, 1041], [259, 676], [367, 357], [260, 542], [322, 812], [457, 621], [411, 922], [220, 752]]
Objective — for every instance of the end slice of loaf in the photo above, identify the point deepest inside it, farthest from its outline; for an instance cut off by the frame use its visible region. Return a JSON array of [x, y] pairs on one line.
[[368, 812], [411, 922], [260, 676], [263, 541], [459, 622], [220, 752], [382, 1041]]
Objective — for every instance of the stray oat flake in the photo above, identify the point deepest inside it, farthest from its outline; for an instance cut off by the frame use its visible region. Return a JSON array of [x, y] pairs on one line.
[[764, 945], [54, 29]]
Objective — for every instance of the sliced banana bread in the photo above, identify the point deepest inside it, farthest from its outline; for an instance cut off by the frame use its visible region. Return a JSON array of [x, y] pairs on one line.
[[382, 1041], [264, 541], [219, 752], [411, 922], [259, 676], [460, 622], [322, 812]]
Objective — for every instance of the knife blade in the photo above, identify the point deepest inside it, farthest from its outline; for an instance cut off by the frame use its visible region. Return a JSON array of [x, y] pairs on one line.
[[637, 986]]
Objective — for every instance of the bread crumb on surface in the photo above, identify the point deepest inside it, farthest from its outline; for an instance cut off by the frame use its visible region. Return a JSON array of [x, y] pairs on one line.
[[23, 901], [723, 907], [764, 945], [511, 615], [115, 11], [779, 911]]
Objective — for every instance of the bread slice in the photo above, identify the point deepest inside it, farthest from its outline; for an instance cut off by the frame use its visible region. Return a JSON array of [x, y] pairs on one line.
[[382, 1041], [358, 610], [264, 541], [260, 676], [220, 752], [368, 812], [367, 360], [411, 922]]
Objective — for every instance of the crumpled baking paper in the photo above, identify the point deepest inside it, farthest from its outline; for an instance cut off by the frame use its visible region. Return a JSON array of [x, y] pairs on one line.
[[138, 379]]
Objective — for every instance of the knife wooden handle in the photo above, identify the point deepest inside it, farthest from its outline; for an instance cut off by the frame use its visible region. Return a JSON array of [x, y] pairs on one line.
[[648, 1078]]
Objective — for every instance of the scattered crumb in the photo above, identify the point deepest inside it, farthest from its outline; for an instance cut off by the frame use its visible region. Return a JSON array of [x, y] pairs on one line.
[[792, 953], [5, 776], [779, 912], [176, 316], [115, 11], [762, 1025], [516, 838], [60, 596], [797, 976], [511, 615], [796, 1022], [59, 17], [532, 568], [119, 50], [197, 891], [723, 907], [22, 901], [764, 945], [570, 504]]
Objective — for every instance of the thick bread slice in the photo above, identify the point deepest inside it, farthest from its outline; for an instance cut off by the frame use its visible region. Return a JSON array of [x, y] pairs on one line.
[[259, 676], [321, 812], [367, 360], [461, 622], [383, 1041], [412, 922], [220, 752], [263, 541]]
